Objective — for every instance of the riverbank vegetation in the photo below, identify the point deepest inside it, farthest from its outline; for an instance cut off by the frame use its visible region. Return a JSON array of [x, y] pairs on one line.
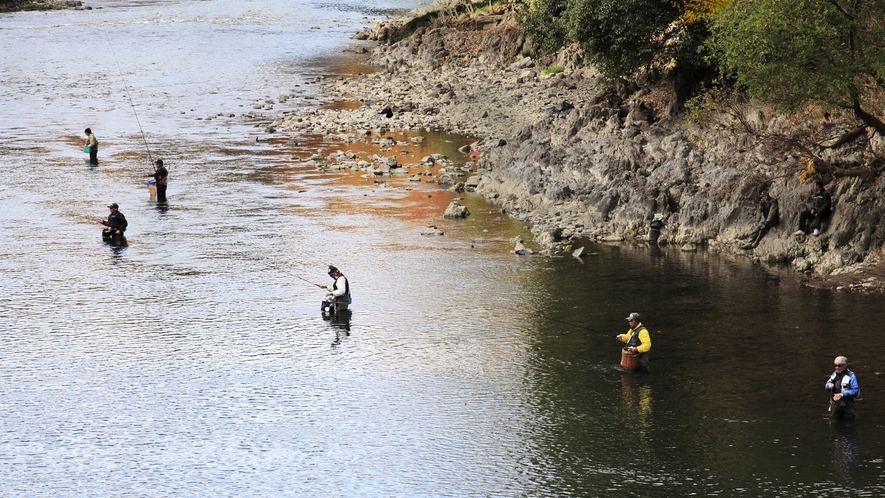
[[589, 140], [813, 61], [19, 5]]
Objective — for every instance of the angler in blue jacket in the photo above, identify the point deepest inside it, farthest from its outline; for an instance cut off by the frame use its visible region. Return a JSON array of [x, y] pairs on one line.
[[843, 386]]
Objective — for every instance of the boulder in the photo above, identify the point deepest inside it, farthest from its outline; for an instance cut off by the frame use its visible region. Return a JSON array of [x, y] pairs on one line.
[[456, 210]]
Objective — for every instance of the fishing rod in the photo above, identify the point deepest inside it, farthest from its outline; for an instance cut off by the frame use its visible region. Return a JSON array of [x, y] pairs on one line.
[[321, 286], [129, 96], [63, 127], [308, 281]]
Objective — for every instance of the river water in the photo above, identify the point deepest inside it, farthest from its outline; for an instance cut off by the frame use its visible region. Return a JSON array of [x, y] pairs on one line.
[[194, 361]]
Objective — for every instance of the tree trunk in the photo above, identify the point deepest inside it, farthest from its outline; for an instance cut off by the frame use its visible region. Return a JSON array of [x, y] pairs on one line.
[[848, 137], [869, 119]]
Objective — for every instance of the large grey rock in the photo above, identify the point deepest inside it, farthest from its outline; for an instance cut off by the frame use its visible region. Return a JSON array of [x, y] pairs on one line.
[[456, 210]]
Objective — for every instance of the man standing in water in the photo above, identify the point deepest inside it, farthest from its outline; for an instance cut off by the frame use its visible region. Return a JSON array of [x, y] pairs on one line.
[[92, 143], [338, 297], [116, 223], [842, 384], [161, 176], [637, 339]]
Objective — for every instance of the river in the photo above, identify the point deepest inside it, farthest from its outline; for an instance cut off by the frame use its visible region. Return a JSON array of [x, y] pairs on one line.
[[194, 361]]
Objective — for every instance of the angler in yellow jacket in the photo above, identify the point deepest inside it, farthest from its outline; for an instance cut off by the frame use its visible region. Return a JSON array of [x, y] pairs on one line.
[[637, 339]]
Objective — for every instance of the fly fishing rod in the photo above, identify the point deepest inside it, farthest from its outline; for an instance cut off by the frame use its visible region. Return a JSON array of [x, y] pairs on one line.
[[129, 96], [308, 281]]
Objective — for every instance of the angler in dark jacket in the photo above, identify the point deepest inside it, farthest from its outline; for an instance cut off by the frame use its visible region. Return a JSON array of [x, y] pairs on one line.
[[769, 212], [821, 206], [161, 177], [116, 223]]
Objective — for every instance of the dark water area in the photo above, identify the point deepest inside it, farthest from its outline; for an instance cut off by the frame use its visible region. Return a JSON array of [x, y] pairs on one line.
[[194, 361]]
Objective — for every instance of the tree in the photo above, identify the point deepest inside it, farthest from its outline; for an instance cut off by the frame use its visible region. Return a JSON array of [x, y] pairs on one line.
[[799, 52], [620, 36], [545, 24]]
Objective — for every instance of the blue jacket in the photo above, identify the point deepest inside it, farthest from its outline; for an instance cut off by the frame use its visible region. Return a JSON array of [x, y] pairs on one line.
[[848, 388]]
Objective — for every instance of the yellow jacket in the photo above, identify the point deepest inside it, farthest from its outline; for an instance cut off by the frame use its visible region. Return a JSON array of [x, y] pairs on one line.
[[644, 338]]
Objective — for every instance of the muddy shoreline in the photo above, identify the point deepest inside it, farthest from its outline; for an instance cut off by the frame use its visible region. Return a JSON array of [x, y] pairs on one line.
[[577, 157]]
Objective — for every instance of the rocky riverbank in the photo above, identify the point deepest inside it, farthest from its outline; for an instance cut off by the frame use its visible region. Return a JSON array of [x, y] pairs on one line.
[[18, 5], [578, 157]]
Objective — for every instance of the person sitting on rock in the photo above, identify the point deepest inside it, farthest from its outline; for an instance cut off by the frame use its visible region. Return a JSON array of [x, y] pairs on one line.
[[655, 227], [769, 212], [821, 204]]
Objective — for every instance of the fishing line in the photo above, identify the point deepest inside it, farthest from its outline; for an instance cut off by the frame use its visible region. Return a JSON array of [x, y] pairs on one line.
[[541, 314], [548, 317], [129, 96], [545, 315], [63, 127]]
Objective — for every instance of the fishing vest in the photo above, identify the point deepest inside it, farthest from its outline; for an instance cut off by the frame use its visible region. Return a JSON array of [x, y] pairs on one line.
[[346, 288], [634, 341], [842, 382]]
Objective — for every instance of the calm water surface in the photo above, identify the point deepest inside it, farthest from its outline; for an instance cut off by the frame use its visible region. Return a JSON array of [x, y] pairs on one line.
[[194, 361]]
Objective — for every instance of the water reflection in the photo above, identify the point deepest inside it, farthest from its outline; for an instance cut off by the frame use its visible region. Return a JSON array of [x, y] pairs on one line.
[[637, 406], [340, 323], [844, 451], [117, 244]]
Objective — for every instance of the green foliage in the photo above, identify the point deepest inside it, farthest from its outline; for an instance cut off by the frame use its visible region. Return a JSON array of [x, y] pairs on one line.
[[485, 6], [620, 36], [698, 108], [800, 51], [555, 69], [545, 24]]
